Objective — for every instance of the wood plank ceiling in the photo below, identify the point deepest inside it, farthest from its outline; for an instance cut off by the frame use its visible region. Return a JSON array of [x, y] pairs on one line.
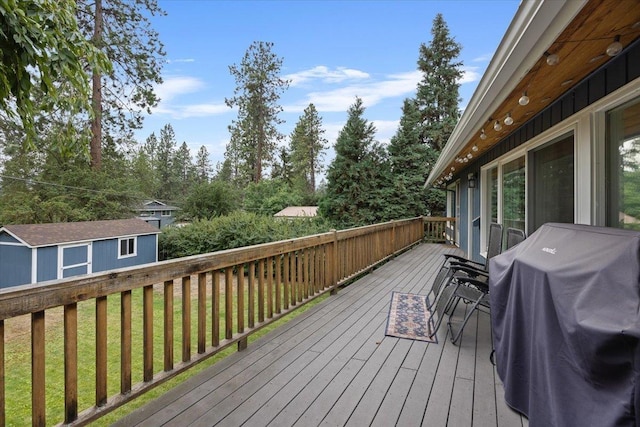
[[580, 48]]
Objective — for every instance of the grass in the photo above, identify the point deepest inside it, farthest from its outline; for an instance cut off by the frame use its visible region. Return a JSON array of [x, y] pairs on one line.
[[18, 363]]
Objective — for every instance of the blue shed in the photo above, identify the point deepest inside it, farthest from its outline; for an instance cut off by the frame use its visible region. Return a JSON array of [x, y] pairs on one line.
[[31, 253]]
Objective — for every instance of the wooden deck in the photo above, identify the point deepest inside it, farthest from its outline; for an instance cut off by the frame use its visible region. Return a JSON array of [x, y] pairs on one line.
[[334, 366]]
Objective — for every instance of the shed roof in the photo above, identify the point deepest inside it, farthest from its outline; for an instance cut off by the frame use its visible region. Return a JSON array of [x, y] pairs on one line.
[[35, 235], [298, 211]]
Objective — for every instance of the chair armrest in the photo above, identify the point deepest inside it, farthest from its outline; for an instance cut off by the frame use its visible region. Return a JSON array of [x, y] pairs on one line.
[[459, 259]]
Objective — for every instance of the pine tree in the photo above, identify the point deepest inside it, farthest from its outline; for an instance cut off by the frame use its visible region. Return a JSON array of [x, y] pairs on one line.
[[408, 161], [122, 31], [164, 164], [254, 135], [307, 148], [438, 97], [356, 178], [203, 165]]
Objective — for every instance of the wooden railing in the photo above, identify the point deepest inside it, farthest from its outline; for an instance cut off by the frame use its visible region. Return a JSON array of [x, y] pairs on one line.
[[237, 292], [439, 229]]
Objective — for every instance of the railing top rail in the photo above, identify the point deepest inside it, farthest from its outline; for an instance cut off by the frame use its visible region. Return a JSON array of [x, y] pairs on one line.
[[19, 300]]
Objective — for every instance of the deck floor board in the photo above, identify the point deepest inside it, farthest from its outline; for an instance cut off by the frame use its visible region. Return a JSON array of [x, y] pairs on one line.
[[333, 365]]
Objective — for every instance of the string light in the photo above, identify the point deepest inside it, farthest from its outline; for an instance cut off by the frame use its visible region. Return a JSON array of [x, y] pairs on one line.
[[497, 126], [614, 48], [552, 58], [508, 120], [483, 135], [475, 147], [524, 99]]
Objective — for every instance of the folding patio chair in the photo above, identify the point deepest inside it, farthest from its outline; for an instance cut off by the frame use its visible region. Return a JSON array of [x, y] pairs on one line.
[[451, 262], [514, 236]]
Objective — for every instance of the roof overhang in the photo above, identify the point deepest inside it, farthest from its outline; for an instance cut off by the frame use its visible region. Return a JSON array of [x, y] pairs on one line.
[[573, 29]]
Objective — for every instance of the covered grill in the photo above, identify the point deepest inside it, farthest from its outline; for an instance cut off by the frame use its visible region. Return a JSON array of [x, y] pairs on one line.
[[565, 312]]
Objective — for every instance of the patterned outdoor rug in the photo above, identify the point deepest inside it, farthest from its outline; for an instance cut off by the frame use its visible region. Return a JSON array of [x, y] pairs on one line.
[[409, 317]]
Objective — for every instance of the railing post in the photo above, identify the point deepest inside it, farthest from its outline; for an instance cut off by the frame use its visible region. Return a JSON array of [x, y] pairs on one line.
[[334, 264]]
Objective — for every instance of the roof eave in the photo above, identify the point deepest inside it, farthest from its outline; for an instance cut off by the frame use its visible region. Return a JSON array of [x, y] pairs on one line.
[[533, 29]]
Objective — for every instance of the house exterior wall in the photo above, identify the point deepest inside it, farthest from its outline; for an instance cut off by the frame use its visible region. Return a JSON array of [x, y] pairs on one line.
[[105, 253], [15, 265], [47, 263], [579, 112]]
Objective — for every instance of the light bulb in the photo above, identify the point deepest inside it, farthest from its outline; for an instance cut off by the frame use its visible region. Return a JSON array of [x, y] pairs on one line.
[[614, 48], [469, 156], [552, 58], [474, 148], [453, 168], [483, 135], [497, 126], [508, 120], [465, 160], [524, 99]]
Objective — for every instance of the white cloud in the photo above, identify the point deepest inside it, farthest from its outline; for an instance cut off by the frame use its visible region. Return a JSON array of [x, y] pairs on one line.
[[371, 93], [385, 129], [173, 87], [483, 58], [470, 75], [324, 74], [173, 61]]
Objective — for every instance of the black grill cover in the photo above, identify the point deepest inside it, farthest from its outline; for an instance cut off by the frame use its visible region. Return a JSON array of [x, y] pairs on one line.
[[565, 315]]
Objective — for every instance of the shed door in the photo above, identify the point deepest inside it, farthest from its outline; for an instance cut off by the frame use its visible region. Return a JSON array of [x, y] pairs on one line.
[[74, 260]]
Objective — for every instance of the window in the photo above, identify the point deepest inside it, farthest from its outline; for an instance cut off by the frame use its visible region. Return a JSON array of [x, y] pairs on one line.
[[552, 183], [513, 194], [623, 166], [127, 247], [166, 213]]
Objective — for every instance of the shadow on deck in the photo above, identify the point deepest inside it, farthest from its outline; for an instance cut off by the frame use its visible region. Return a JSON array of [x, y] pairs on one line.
[[333, 365]]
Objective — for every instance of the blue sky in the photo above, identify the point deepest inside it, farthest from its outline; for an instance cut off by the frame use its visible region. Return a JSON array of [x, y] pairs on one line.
[[332, 51]]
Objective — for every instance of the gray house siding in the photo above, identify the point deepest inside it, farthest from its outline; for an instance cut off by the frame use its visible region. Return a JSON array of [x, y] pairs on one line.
[[47, 263], [15, 262]]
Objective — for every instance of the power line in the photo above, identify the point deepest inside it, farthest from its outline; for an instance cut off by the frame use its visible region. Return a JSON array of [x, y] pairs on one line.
[[71, 187]]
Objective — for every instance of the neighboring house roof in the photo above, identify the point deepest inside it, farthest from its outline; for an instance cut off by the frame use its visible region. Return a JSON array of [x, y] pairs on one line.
[[154, 205], [578, 31], [298, 211], [36, 235]]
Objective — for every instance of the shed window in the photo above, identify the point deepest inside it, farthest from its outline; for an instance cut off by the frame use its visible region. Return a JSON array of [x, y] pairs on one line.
[[127, 247], [166, 213]]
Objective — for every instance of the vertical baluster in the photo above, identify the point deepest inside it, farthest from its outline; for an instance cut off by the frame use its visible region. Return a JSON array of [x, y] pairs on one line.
[[228, 303], [101, 351], [285, 280], [252, 298], [278, 267], [147, 332], [186, 318], [260, 293], [269, 262], [70, 363], [215, 308], [38, 409], [240, 298], [168, 325], [300, 261], [293, 278], [202, 312], [125, 342]]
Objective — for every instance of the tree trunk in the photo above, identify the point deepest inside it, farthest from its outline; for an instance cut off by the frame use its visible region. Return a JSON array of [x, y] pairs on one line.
[[95, 147]]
